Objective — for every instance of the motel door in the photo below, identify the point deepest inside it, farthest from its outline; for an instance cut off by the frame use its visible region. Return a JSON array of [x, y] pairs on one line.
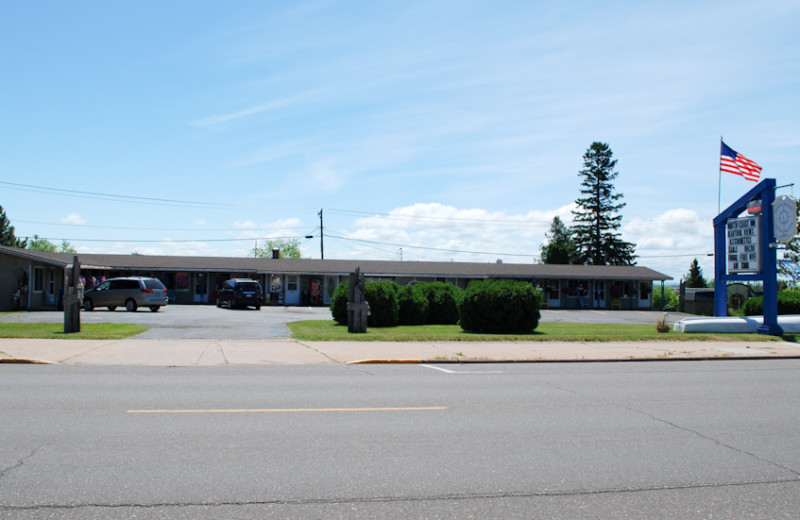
[[553, 293], [292, 290], [200, 288], [599, 294], [645, 293]]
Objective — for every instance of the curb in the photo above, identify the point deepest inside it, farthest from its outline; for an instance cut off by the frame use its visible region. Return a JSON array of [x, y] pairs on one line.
[[22, 361], [386, 362], [599, 360]]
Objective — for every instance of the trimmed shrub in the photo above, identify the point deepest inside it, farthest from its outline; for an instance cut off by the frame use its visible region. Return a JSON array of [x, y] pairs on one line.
[[788, 303], [339, 303], [500, 307], [413, 305], [383, 305], [671, 299], [443, 301]]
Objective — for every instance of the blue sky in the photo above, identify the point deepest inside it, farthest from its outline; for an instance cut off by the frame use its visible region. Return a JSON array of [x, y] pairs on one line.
[[449, 130]]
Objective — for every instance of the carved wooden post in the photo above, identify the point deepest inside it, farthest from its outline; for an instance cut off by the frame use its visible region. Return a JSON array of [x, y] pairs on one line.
[[72, 299], [357, 307]]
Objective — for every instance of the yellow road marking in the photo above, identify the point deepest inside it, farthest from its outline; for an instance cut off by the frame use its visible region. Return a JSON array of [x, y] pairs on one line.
[[299, 410]]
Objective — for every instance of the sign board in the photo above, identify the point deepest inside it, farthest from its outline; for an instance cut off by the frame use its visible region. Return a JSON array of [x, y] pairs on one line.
[[785, 218], [744, 245]]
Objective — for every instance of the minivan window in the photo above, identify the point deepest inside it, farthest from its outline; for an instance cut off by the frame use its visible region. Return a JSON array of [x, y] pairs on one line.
[[154, 284]]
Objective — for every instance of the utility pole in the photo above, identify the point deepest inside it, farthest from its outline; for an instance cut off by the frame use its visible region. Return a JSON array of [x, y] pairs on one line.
[[321, 241]]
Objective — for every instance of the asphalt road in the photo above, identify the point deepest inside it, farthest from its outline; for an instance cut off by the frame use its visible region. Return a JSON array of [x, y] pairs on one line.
[[210, 322], [630, 440]]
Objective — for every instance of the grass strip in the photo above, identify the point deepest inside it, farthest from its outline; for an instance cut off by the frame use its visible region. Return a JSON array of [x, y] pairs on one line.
[[328, 330], [56, 331]]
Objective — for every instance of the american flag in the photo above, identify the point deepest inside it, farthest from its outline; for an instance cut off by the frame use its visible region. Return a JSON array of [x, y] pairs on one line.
[[733, 162]]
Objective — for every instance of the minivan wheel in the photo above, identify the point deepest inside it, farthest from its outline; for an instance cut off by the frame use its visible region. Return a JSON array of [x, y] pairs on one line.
[[131, 306], [88, 304]]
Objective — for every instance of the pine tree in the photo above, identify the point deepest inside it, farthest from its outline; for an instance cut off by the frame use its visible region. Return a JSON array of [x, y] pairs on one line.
[[597, 219], [695, 278], [560, 248], [7, 237]]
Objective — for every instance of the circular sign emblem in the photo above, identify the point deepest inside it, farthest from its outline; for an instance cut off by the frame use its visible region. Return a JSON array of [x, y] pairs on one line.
[[784, 211]]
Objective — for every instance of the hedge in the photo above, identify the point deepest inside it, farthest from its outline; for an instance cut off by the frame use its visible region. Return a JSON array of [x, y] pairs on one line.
[[788, 303], [339, 303], [414, 306], [383, 304], [500, 307], [444, 300]]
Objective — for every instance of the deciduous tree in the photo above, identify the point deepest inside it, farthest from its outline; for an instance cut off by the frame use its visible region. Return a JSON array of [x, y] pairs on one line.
[[287, 249]]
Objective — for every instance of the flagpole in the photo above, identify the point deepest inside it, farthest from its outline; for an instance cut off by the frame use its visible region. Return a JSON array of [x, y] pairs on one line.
[[719, 186]]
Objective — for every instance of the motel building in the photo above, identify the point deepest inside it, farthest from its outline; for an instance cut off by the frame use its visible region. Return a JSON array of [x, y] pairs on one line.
[[35, 280]]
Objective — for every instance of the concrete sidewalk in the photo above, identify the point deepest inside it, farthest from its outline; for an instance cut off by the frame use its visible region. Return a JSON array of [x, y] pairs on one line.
[[211, 352]]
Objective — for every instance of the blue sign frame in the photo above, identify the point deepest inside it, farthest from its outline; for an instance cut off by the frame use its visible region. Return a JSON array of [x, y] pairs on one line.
[[764, 190]]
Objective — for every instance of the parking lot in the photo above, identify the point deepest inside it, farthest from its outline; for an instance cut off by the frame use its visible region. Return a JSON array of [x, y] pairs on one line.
[[193, 321], [210, 322]]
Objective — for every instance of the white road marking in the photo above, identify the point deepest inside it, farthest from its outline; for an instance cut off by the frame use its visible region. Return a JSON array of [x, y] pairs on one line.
[[447, 371]]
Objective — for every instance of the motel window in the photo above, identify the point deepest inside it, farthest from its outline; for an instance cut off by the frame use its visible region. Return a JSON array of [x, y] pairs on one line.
[[291, 284], [51, 281], [553, 290], [38, 279]]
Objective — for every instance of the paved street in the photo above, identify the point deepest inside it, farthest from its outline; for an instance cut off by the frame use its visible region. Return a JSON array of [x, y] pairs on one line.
[[635, 440]]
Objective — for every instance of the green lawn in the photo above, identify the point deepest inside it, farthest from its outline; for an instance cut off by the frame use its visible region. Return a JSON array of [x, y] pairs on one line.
[[329, 330], [56, 331]]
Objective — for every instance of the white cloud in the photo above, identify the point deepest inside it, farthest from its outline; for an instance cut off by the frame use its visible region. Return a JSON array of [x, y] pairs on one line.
[[74, 219], [669, 242], [439, 232], [246, 112]]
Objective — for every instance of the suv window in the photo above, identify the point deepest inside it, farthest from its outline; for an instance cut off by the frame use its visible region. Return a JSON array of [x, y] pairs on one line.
[[249, 286], [227, 285]]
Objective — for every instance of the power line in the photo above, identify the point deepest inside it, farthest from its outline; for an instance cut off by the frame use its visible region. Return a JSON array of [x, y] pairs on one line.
[[507, 222], [132, 199], [115, 197], [139, 228], [165, 240], [447, 250]]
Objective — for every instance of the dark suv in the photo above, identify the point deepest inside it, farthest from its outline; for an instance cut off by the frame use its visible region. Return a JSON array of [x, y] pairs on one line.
[[240, 292], [132, 292]]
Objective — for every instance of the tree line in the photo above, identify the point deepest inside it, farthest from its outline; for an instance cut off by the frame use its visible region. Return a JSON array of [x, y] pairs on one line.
[[8, 238]]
